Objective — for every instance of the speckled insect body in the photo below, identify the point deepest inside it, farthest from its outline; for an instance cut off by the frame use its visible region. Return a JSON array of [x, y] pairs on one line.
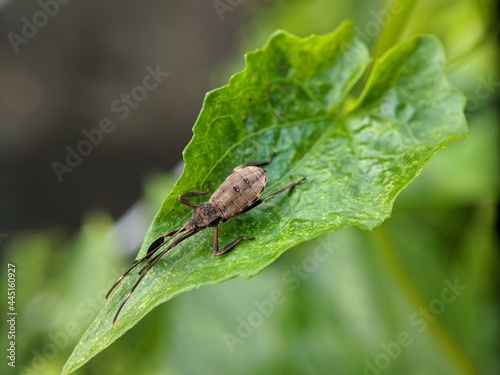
[[239, 193]]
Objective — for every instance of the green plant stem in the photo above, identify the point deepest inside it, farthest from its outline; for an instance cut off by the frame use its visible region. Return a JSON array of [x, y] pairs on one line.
[[458, 61], [399, 14], [388, 255]]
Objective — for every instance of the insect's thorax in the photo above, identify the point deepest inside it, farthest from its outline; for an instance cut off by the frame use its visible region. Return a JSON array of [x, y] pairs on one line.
[[204, 215], [240, 189]]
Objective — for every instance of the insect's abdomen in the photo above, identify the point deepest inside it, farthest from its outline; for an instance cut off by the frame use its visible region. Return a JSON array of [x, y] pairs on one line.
[[240, 189]]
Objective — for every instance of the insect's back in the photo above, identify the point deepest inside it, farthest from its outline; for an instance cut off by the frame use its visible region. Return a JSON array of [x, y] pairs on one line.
[[239, 190]]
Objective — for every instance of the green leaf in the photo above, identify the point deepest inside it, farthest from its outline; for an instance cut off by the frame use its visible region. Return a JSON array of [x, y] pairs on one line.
[[291, 99]]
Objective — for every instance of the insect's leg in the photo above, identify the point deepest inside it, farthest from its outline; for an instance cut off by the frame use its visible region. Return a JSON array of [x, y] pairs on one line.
[[259, 201], [259, 163], [228, 247], [156, 244], [281, 190], [183, 200]]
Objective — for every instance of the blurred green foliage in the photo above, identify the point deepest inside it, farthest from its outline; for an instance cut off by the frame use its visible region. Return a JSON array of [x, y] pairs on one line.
[[345, 314]]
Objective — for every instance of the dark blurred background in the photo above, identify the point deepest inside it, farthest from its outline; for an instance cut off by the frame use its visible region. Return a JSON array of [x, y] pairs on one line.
[[64, 79], [70, 239]]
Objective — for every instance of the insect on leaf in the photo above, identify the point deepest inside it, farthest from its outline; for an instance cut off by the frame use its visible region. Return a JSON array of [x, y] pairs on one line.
[[292, 99]]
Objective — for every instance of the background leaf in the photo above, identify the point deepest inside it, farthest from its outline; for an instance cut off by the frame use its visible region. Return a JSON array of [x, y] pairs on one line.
[[291, 99]]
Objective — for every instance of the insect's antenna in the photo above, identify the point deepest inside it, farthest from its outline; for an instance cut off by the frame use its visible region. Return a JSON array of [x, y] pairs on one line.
[[177, 241], [153, 248], [147, 267]]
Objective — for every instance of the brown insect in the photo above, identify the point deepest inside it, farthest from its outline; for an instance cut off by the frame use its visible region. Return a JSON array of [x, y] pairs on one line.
[[238, 194]]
